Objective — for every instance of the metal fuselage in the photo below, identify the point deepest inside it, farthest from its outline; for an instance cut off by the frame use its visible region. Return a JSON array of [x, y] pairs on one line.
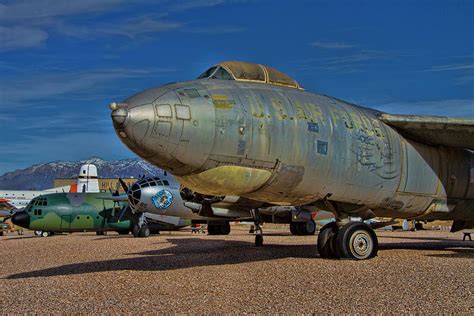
[[291, 147]]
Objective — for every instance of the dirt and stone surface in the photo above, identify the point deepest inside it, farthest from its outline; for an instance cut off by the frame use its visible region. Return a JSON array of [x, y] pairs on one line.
[[424, 271]]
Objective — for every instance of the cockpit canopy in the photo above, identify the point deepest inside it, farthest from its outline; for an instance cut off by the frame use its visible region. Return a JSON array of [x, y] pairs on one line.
[[244, 71]]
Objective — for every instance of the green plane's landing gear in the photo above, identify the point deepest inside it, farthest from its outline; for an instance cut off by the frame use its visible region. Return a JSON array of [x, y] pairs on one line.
[[140, 227], [101, 233], [303, 229], [354, 240], [258, 229], [43, 233]]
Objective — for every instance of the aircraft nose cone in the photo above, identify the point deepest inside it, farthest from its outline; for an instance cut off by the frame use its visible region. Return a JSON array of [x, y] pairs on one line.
[[21, 219], [119, 113]]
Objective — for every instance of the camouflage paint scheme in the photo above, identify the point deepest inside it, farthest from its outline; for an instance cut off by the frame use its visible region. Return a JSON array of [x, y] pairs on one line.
[[286, 146], [74, 212]]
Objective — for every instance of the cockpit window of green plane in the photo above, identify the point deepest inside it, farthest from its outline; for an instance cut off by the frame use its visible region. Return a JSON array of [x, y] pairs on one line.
[[207, 73]]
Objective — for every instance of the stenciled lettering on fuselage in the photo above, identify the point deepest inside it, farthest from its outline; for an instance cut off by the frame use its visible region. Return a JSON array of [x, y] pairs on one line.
[[162, 199]]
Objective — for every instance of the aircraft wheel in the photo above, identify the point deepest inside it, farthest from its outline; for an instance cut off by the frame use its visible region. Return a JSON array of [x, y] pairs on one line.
[[225, 229], [418, 226], [144, 231], [123, 232], [100, 233], [308, 228], [326, 240], [294, 229], [215, 229], [44, 234], [135, 230], [258, 240], [356, 241]]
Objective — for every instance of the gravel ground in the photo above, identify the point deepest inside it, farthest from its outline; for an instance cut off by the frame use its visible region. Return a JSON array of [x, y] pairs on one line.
[[424, 271]]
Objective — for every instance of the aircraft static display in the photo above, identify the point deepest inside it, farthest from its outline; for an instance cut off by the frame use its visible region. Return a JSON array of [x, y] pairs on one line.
[[249, 130], [166, 197], [79, 212]]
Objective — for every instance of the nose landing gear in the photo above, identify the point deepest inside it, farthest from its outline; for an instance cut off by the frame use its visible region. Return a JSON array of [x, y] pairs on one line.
[[140, 227]]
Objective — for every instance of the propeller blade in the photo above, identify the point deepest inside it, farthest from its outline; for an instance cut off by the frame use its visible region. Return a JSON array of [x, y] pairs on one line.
[[123, 184], [122, 213]]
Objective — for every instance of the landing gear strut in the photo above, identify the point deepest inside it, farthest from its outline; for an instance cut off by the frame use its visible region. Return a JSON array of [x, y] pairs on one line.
[[258, 229], [354, 240], [140, 227]]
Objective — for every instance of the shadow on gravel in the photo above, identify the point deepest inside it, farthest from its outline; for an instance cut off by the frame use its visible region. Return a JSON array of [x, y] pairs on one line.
[[420, 238], [458, 249], [196, 252], [184, 253]]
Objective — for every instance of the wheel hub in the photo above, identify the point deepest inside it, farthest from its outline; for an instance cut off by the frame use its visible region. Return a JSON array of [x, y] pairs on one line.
[[361, 244]]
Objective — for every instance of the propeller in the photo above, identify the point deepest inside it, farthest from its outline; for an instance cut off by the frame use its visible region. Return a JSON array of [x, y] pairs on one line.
[[123, 184], [122, 213]]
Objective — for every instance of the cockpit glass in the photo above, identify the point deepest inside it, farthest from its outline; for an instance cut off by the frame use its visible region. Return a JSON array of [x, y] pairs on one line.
[[207, 73], [222, 74]]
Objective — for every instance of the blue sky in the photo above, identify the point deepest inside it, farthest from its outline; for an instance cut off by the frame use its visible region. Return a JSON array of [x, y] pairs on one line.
[[63, 62]]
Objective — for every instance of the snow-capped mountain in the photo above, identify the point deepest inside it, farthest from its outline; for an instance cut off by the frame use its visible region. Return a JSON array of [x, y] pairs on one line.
[[41, 176]]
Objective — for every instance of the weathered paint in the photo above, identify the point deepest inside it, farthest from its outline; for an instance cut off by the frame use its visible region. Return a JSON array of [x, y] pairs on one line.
[[351, 155]]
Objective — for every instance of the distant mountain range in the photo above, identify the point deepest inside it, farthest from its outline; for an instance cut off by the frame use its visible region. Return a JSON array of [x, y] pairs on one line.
[[41, 176]]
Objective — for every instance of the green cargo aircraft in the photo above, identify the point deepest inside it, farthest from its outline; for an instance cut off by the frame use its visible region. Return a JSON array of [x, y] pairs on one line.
[[80, 212]]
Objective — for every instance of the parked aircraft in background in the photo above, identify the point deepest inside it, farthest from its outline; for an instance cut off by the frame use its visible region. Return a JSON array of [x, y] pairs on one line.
[[248, 130], [154, 195], [79, 212]]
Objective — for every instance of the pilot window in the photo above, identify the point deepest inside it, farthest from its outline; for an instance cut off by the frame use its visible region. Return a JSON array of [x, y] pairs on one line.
[[41, 202], [207, 73], [221, 73]]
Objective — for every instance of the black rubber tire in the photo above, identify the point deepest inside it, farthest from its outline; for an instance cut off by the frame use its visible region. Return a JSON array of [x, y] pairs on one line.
[[211, 230], [293, 229], [308, 228], [419, 226], [123, 232], [325, 240], [258, 240], [225, 229], [144, 231], [135, 230], [356, 241], [100, 233]]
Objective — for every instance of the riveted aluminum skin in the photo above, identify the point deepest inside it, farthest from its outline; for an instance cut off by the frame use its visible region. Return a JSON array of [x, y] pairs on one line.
[[291, 147]]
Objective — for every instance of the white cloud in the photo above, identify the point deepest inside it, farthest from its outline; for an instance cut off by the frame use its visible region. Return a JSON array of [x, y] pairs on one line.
[[18, 37], [46, 85], [331, 45], [452, 67], [23, 11]]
